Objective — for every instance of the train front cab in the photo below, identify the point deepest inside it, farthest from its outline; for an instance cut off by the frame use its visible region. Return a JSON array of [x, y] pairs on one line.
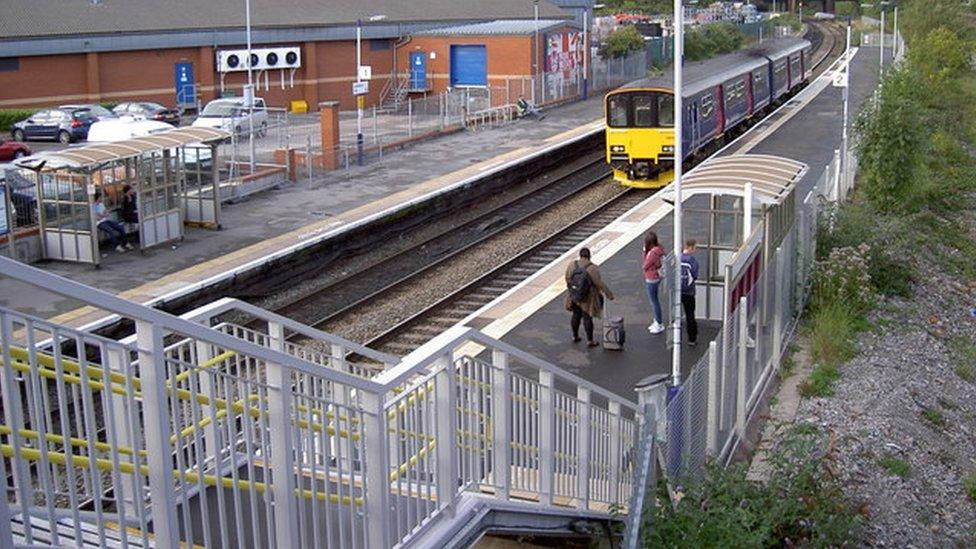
[[640, 136]]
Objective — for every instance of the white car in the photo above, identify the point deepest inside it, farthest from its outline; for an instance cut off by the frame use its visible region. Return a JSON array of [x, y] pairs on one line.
[[232, 114], [126, 127]]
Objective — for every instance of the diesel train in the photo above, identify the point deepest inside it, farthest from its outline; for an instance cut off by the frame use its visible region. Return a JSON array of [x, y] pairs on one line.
[[721, 96]]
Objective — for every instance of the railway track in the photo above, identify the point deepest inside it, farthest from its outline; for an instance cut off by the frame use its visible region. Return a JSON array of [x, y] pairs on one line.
[[410, 333], [356, 289], [829, 44]]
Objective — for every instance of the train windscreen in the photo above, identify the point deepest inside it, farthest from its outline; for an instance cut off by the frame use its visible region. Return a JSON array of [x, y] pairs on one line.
[[640, 109]]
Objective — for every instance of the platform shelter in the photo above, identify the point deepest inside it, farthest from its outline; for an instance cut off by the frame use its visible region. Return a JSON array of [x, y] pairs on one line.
[[174, 174]]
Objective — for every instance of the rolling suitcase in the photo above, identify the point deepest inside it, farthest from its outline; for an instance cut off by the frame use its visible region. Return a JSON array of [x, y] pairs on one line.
[[613, 331]]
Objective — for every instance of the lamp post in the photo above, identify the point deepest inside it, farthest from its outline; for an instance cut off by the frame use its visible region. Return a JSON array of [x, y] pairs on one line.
[[678, 157], [847, 85], [359, 99], [881, 48], [535, 54], [894, 37], [249, 91]]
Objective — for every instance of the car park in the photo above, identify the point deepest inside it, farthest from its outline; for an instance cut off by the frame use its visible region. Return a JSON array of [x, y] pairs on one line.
[[62, 124], [233, 115], [12, 150], [149, 111]]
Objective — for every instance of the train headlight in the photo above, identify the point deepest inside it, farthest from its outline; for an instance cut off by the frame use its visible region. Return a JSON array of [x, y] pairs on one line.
[[617, 148], [667, 148]]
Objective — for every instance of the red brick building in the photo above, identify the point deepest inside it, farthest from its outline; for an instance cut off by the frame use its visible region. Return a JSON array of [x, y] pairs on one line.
[[62, 51]]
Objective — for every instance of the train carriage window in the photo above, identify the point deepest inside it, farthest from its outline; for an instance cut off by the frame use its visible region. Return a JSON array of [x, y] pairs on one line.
[[707, 106], [644, 111], [779, 72], [665, 110], [617, 107], [758, 79]]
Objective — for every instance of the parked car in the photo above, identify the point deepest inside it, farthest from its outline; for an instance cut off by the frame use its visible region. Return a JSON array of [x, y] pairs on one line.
[[98, 112], [233, 115], [64, 125], [117, 129], [12, 150], [150, 111]]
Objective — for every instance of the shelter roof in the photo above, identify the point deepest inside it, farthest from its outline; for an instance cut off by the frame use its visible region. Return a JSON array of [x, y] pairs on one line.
[[772, 177], [81, 158]]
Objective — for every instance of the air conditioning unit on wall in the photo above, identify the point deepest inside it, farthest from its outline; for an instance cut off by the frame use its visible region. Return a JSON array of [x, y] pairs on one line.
[[281, 58]]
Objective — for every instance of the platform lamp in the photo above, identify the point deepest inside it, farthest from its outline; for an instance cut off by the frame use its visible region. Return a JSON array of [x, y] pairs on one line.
[[360, 141], [679, 34]]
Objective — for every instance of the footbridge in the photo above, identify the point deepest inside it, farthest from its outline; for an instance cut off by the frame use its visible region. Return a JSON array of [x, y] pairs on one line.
[[231, 426]]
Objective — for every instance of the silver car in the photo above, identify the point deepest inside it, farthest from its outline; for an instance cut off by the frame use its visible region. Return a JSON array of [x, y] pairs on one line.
[[232, 115]]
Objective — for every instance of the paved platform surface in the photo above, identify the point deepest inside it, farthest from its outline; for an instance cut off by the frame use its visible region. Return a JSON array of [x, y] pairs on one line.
[[532, 316], [275, 220]]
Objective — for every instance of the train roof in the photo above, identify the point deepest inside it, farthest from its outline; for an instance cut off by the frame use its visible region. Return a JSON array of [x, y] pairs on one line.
[[701, 75]]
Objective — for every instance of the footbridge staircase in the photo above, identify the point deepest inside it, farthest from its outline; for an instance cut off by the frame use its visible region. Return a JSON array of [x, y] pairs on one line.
[[230, 426]]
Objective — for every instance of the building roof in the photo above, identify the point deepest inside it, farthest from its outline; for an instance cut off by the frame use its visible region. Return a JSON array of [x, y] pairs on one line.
[[501, 27], [44, 18]]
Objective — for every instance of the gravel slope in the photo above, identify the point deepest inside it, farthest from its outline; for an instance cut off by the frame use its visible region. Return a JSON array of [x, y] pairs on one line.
[[889, 403]]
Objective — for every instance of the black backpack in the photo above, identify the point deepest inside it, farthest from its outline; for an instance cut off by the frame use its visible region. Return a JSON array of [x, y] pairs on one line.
[[579, 284]]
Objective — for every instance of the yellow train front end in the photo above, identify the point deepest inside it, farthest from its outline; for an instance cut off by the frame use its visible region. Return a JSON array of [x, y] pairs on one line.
[[640, 136]]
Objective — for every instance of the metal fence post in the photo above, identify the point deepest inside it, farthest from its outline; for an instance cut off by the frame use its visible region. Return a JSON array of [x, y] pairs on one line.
[[156, 416], [501, 390], [584, 432], [377, 469], [409, 117], [308, 157], [375, 128], [711, 445], [282, 448], [546, 437], [778, 293], [205, 352], [740, 415], [446, 448], [616, 465]]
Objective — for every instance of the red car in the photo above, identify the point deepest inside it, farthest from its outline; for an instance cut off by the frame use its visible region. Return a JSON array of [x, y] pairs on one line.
[[12, 150]]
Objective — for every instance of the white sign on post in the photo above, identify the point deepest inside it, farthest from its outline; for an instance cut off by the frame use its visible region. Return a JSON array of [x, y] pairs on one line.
[[360, 88], [365, 72]]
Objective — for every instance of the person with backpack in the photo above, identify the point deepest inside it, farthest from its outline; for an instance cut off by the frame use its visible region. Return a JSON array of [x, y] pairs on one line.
[[584, 297], [653, 256], [689, 275]]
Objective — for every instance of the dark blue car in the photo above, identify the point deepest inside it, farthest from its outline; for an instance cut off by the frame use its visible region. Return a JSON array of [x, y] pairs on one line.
[[63, 124]]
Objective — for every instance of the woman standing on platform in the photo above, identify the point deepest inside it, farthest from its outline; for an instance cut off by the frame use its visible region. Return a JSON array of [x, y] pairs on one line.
[[653, 255]]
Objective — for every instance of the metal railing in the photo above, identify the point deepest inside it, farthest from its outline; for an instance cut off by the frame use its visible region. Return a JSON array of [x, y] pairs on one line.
[[234, 426]]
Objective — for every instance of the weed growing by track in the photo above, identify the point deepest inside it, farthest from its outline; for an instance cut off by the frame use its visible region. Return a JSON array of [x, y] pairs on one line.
[[801, 503]]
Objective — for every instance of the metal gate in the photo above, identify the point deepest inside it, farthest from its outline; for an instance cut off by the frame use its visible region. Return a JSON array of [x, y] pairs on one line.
[[201, 197], [159, 191]]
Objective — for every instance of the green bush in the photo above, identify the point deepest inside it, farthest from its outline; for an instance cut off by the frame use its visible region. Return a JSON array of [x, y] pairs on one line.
[[621, 42], [712, 39], [9, 116], [820, 384], [844, 278], [801, 502]]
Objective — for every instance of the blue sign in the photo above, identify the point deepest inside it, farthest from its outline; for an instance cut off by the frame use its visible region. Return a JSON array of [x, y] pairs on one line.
[[186, 90]]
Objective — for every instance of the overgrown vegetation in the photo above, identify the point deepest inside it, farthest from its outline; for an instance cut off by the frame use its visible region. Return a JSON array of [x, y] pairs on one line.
[[916, 188], [622, 42], [712, 39], [801, 503], [964, 358]]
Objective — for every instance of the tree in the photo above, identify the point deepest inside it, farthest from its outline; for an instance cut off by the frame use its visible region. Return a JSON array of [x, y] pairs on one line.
[[621, 42], [939, 56]]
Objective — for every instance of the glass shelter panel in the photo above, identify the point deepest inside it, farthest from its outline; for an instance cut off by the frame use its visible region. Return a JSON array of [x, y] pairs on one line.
[[65, 215]]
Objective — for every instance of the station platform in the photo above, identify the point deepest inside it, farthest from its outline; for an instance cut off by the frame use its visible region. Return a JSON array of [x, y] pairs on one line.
[[279, 222], [532, 316]]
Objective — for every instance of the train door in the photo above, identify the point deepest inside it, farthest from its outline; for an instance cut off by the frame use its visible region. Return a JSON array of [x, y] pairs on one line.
[[719, 111], [693, 120], [749, 102]]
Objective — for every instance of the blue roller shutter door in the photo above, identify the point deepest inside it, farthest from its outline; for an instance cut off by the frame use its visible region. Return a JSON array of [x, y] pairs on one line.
[[469, 66]]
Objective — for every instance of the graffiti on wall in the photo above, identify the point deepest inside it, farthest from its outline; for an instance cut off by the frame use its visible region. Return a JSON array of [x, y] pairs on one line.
[[564, 61]]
